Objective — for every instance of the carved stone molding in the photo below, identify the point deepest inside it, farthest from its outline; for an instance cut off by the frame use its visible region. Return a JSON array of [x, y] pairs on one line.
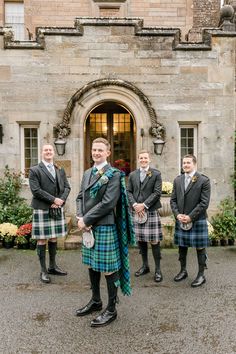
[[63, 129]]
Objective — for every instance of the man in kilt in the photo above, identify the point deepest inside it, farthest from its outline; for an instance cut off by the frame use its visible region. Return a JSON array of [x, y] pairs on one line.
[[50, 189], [144, 192], [189, 202], [96, 203]]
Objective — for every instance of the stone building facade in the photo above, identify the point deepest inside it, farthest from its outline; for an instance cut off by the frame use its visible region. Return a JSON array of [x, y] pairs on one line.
[[130, 79]]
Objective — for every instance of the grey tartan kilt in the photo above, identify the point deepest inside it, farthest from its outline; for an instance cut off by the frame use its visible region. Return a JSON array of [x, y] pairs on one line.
[[150, 230], [197, 236], [43, 227]]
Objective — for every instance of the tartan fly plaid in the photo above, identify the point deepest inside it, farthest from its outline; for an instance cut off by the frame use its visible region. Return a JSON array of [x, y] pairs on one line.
[[105, 255], [43, 227], [150, 230], [197, 236]]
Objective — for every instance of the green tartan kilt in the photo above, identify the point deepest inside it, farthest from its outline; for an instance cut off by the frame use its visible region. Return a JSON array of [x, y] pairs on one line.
[[43, 227], [105, 255]]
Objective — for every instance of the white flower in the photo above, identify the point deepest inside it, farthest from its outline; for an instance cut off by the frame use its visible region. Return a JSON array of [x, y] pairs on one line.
[[167, 187], [104, 179], [8, 229]]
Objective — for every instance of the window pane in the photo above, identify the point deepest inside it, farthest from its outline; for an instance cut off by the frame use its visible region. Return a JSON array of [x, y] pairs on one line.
[[14, 17], [30, 148]]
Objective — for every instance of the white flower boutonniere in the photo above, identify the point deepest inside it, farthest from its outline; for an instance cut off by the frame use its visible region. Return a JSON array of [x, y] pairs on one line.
[[104, 179]]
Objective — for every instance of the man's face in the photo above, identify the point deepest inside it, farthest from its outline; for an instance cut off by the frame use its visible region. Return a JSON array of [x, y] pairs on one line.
[[100, 153], [144, 160], [47, 153], [188, 165]]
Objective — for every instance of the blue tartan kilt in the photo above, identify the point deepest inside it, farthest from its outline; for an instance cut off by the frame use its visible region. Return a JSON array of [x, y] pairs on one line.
[[197, 236], [43, 227], [105, 255]]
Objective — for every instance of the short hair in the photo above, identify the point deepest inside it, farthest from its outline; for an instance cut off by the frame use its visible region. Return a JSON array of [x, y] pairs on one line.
[[103, 141], [143, 152], [47, 144], [189, 156]]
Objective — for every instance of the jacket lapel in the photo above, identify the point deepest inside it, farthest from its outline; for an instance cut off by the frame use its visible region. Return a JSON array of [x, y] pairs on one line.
[[89, 183], [45, 170], [182, 184], [191, 183]]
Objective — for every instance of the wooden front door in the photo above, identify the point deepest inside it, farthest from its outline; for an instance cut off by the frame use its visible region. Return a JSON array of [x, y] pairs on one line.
[[114, 123]]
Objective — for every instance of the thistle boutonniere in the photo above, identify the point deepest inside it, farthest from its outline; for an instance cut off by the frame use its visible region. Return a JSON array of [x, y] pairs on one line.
[[149, 174], [194, 179]]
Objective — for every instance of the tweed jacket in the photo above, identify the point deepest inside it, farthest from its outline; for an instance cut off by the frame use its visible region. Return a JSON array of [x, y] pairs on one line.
[[45, 188], [195, 200], [148, 192], [101, 209]]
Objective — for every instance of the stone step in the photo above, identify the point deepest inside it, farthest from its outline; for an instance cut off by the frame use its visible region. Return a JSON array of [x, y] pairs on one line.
[[73, 240]]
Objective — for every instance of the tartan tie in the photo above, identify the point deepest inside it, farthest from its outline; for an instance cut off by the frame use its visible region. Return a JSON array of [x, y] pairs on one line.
[[94, 171], [51, 170]]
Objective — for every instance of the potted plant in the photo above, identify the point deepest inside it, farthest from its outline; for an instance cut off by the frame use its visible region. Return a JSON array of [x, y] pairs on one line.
[[214, 238], [8, 232], [25, 230], [22, 242], [32, 243], [224, 223], [167, 188]]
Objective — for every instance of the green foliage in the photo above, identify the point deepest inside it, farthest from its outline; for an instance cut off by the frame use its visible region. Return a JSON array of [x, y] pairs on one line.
[[224, 223], [13, 208]]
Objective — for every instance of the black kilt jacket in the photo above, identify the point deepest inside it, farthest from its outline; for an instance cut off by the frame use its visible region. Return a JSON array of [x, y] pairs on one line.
[[195, 200], [45, 188]]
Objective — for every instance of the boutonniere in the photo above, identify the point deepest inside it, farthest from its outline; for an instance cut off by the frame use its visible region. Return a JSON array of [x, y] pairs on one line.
[[57, 166], [101, 172], [194, 179], [104, 179], [149, 174]]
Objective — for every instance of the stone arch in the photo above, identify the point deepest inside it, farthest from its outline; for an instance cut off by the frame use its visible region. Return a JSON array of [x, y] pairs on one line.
[[120, 91]]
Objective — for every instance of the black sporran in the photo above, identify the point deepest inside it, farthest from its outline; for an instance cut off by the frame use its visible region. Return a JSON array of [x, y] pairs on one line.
[[54, 213]]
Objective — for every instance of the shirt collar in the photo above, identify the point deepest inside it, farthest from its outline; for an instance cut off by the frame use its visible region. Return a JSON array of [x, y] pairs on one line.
[[99, 167], [47, 163], [144, 169], [190, 174]]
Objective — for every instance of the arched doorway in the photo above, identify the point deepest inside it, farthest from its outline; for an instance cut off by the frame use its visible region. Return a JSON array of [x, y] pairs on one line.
[[112, 121]]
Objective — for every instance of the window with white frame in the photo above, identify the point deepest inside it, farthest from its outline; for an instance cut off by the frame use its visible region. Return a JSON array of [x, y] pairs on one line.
[[14, 17], [29, 147], [188, 141]]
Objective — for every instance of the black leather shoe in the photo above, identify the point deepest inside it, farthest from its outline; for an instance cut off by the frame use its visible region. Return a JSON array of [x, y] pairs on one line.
[[92, 306], [158, 276], [181, 275], [198, 281], [56, 271], [104, 319], [44, 277], [143, 270]]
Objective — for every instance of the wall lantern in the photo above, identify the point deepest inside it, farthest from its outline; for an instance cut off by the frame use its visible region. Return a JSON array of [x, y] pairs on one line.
[[158, 145], [60, 145], [158, 132], [1, 133]]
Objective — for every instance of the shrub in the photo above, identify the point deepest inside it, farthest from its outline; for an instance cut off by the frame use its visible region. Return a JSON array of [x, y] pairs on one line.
[[224, 223]]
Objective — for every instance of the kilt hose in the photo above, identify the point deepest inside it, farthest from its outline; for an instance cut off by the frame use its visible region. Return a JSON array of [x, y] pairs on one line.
[[43, 227], [197, 236], [150, 230], [105, 255]]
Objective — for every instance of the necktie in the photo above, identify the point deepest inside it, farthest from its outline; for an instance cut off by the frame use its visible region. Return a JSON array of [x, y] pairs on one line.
[[94, 171], [51, 170], [142, 175], [186, 181]]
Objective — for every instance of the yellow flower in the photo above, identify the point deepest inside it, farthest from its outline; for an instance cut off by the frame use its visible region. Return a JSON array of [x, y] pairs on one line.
[[194, 179], [149, 174], [167, 187], [8, 229]]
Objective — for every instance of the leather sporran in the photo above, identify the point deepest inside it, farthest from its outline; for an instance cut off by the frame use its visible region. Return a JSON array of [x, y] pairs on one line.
[[88, 239], [186, 226], [55, 213]]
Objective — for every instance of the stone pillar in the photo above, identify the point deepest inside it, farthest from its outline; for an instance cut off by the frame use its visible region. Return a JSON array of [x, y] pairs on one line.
[[206, 13]]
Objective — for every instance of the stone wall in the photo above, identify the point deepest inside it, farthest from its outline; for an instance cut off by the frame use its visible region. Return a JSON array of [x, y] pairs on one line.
[[160, 13], [183, 86]]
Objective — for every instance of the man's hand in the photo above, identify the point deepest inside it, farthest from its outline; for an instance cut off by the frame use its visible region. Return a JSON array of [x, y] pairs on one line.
[[81, 224], [58, 202], [139, 207], [183, 218]]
